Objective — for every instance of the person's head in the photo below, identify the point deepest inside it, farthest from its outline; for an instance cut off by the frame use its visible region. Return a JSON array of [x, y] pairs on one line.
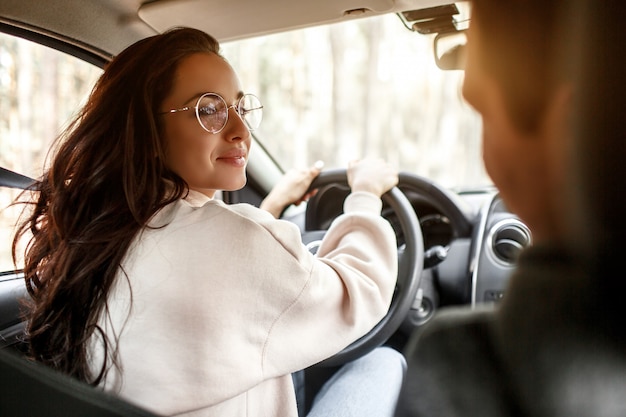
[[511, 79], [207, 149], [135, 95], [124, 157]]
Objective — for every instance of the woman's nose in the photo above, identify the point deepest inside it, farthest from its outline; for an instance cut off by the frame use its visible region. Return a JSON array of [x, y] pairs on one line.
[[236, 127]]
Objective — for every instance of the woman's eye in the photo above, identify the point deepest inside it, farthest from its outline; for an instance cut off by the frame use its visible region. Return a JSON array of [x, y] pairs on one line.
[[207, 110]]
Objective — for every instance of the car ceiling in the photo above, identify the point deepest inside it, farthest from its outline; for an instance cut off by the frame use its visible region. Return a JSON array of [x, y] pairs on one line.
[[105, 27]]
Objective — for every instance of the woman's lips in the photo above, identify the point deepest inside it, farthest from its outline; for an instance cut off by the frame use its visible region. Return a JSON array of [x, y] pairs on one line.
[[236, 157]]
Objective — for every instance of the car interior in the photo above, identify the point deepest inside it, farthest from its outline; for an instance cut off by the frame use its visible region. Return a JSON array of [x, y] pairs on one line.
[[457, 245]]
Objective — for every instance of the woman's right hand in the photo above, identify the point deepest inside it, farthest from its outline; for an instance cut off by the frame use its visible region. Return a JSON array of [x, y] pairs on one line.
[[372, 175]]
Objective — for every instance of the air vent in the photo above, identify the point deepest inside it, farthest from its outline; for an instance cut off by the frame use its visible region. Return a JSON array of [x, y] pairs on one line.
[[508, 238]]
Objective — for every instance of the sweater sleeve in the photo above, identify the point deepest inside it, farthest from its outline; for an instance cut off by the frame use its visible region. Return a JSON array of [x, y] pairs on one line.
[[348, 291]]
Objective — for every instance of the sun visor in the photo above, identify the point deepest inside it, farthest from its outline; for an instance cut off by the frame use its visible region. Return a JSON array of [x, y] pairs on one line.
[[238, 19]]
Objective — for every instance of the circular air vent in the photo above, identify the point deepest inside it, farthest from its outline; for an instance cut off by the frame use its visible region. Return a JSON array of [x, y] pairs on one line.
[[508, 238]]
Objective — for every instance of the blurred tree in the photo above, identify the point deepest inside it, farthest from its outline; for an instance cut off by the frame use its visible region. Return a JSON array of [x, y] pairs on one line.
[[367, 87]]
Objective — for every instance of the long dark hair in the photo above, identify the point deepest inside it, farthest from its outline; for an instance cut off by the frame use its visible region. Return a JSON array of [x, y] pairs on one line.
[[106, 179]]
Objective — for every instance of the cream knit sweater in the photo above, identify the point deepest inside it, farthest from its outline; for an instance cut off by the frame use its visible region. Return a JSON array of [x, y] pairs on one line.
[[226, 302]]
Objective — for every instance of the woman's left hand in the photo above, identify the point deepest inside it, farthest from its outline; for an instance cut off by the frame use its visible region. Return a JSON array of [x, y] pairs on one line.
[[291, 189]]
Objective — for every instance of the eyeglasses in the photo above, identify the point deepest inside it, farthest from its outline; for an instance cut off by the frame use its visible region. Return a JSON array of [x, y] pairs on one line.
[[212, 111]]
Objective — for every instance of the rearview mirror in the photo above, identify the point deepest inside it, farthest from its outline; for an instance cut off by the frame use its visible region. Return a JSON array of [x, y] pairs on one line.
[[449, 50]]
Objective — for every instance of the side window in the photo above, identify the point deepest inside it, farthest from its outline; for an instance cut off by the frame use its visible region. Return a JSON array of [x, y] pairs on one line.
[[40, 90]]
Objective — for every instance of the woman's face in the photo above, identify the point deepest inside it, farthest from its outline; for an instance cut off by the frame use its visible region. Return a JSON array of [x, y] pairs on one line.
[[206, 161]]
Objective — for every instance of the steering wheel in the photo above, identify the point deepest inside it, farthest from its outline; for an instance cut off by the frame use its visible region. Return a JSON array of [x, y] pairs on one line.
[[410, 262]]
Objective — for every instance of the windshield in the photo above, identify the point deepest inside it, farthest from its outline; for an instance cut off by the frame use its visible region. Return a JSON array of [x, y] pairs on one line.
[[367, 87]]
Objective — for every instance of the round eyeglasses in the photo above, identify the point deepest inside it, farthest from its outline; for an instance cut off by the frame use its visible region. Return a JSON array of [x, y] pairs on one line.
[[212, 111]]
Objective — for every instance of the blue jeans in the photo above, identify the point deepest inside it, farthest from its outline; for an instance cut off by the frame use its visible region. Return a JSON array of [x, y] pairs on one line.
[[368, 386]]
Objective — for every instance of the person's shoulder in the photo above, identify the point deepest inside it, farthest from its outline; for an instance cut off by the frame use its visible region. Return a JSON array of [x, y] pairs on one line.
[[203, 213], [453, 367], [249, 211], [212, 207]]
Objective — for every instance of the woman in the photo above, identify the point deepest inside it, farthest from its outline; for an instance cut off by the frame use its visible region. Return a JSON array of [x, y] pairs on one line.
[[144, 284]]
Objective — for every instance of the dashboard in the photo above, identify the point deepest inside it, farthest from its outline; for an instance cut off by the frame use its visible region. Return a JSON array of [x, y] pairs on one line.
[[471, 241]]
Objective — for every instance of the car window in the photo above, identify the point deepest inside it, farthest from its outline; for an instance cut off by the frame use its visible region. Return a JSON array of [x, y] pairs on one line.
[[332, 93], [40, 90], [361, 88]]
